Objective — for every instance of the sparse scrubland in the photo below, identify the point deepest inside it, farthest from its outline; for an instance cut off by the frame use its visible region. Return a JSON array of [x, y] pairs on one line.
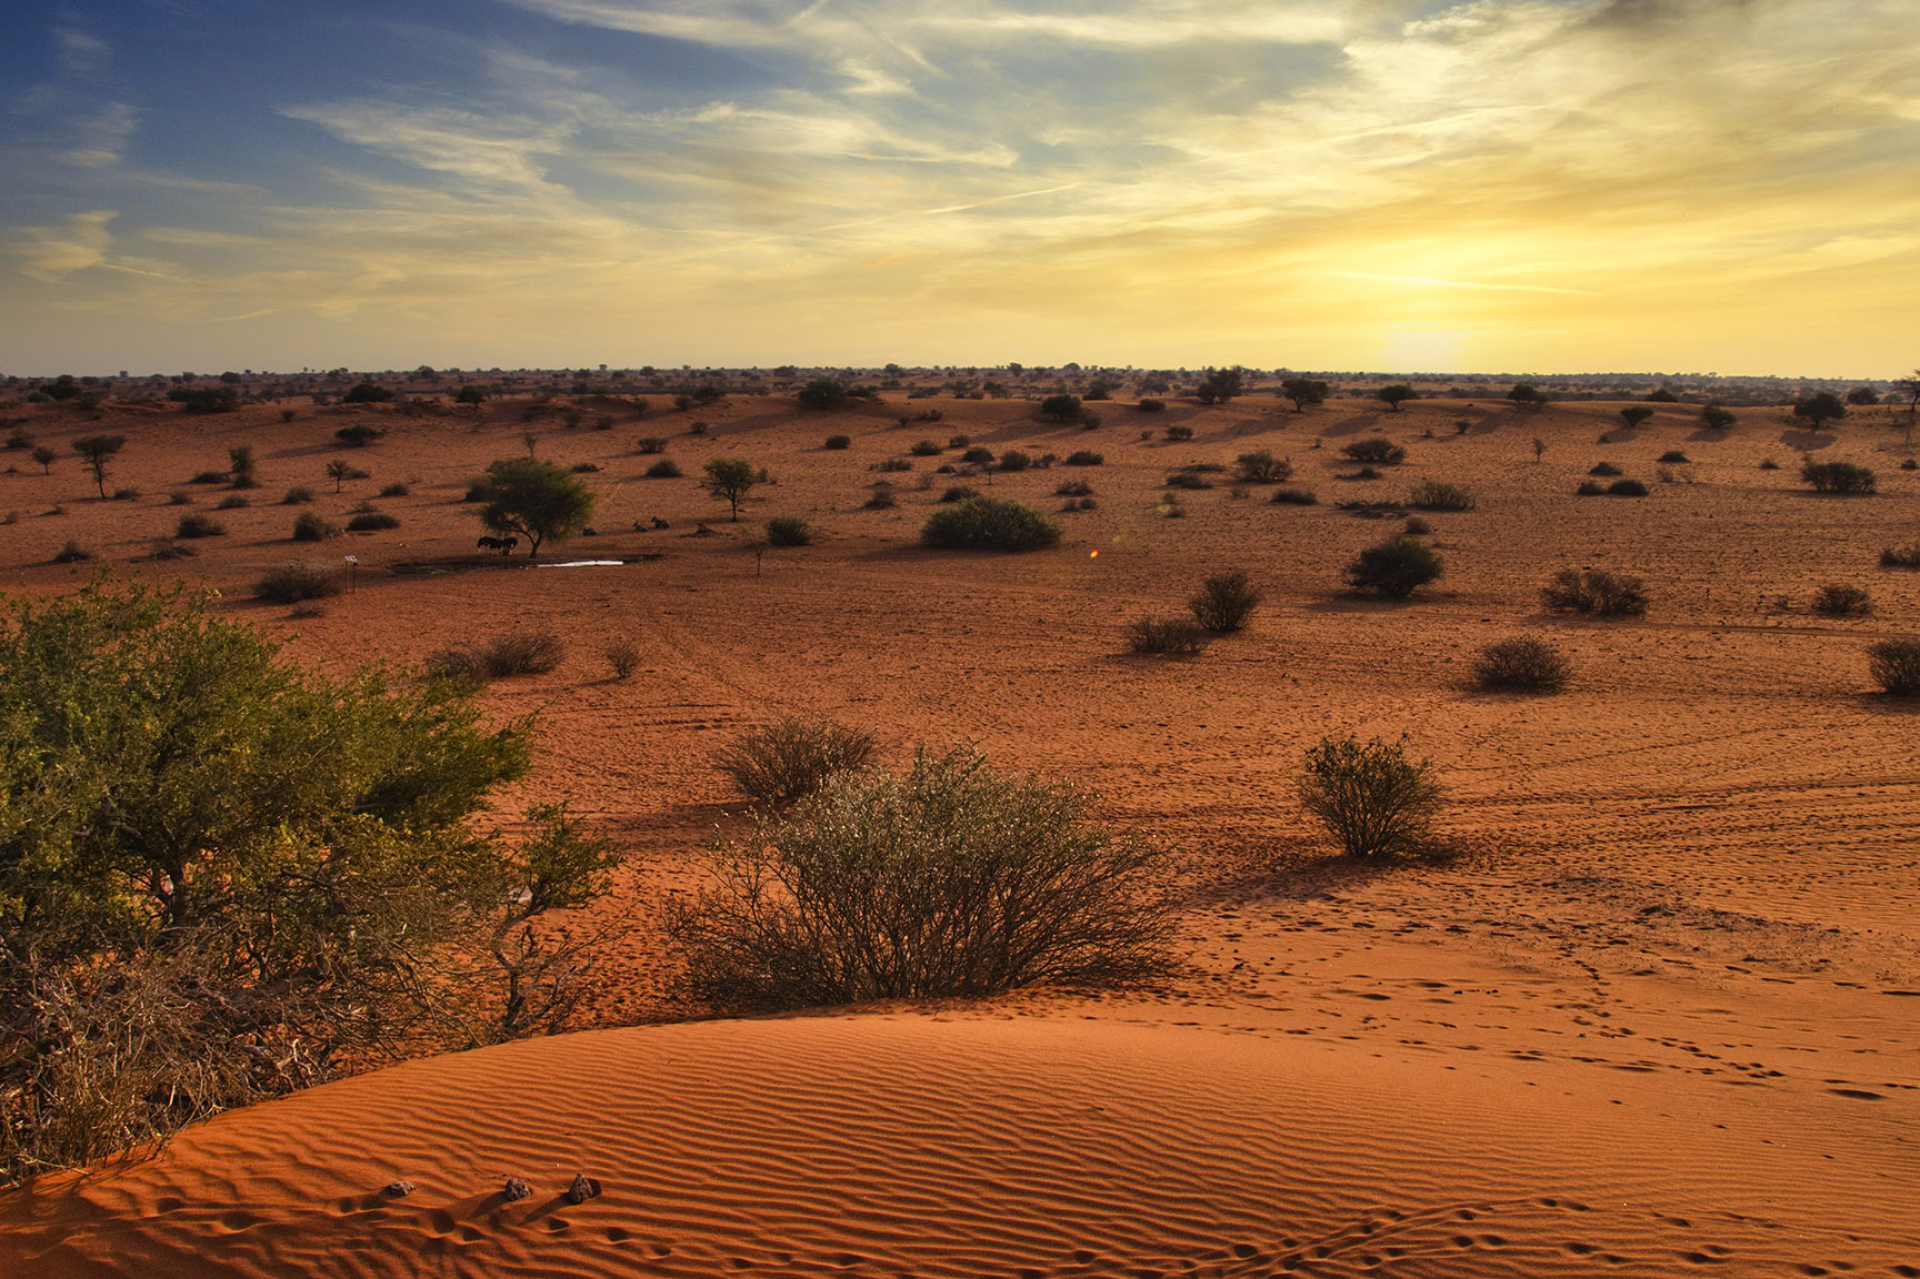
[[301, 821]]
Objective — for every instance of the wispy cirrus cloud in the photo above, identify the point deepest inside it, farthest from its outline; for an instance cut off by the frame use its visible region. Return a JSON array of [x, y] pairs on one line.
[[1302, 181]]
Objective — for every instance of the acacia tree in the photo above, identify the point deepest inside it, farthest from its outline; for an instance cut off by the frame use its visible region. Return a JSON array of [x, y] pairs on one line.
[[1910, 387], [729, 480], [96, 450], [540, 501], [1305, 392], [1396, 395], [1818, 409], [1220, 385], [1634, 414]]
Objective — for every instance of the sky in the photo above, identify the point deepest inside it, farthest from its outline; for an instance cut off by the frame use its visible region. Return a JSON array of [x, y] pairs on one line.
[[1547, 186]]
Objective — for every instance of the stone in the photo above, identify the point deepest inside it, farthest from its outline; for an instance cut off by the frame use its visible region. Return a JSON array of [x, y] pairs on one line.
[[582, 1189], [516, 1190]]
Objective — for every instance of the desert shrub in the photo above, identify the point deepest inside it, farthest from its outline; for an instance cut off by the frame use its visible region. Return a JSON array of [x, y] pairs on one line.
[[1225, 602], [1594, 591], [154, 746], [1837, 477], [1061, 408], [1627, 488], [622, 657], [209, 477], [958, 493], [1768, 464], [1015, 460], [1590, 488], [1364, 473], [309, 527], [585, 468], [358, 435], [479, 489], [232, 502], [665, 469], [133, 494], [1086, 457], [1152, 406], [1371, 798], [1153, 635], [501, 657], [72, 553], [958, 441], [653, 444], [297, 580], [838, 442], [882, 499], [1395, 568], [984, 523], [925, 448], [948, 880], [198, 526], [788, 530], [1836, 599], [1910, 464], [1072, 488], [892, 465], [1416, 526], [1900, 556], [371, 522], [1675, 457], [978, 455], [1895, 665], [398, 489], [1432, 495], [789, 760], [1179, 434], [1262, 467], [1522, 664], [522, 653], [1605, 469], [177, 498], [1377, 451], [1294, 496], [1188, 480]]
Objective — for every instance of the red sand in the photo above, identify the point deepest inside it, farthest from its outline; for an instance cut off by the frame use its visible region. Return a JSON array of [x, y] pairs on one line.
[[1664, 1011]]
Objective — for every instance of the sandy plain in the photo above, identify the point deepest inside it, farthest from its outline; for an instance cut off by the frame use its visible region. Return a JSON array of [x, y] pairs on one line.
[[1659, 1017]]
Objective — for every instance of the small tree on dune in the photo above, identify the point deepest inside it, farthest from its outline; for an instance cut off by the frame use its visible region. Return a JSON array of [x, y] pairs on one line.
[[96, 450], [1220, 385], [729, 480], [1396, 395], [1305, 392], [1634, 414], [44, 456], [1817, 410], [540, 501]]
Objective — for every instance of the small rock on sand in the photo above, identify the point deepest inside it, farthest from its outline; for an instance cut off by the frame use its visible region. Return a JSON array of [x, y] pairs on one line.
[[516, 1190]]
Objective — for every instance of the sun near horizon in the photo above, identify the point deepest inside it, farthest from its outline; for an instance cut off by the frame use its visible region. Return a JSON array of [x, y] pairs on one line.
[[1550, 186]]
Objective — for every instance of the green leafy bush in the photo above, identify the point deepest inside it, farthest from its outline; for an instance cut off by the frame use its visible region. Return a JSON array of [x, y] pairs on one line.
[[1373, 799], [989, 524], [949, 880], [192, 914]]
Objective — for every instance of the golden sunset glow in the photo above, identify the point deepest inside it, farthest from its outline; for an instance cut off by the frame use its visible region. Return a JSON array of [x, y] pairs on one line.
[[1551, 185]]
